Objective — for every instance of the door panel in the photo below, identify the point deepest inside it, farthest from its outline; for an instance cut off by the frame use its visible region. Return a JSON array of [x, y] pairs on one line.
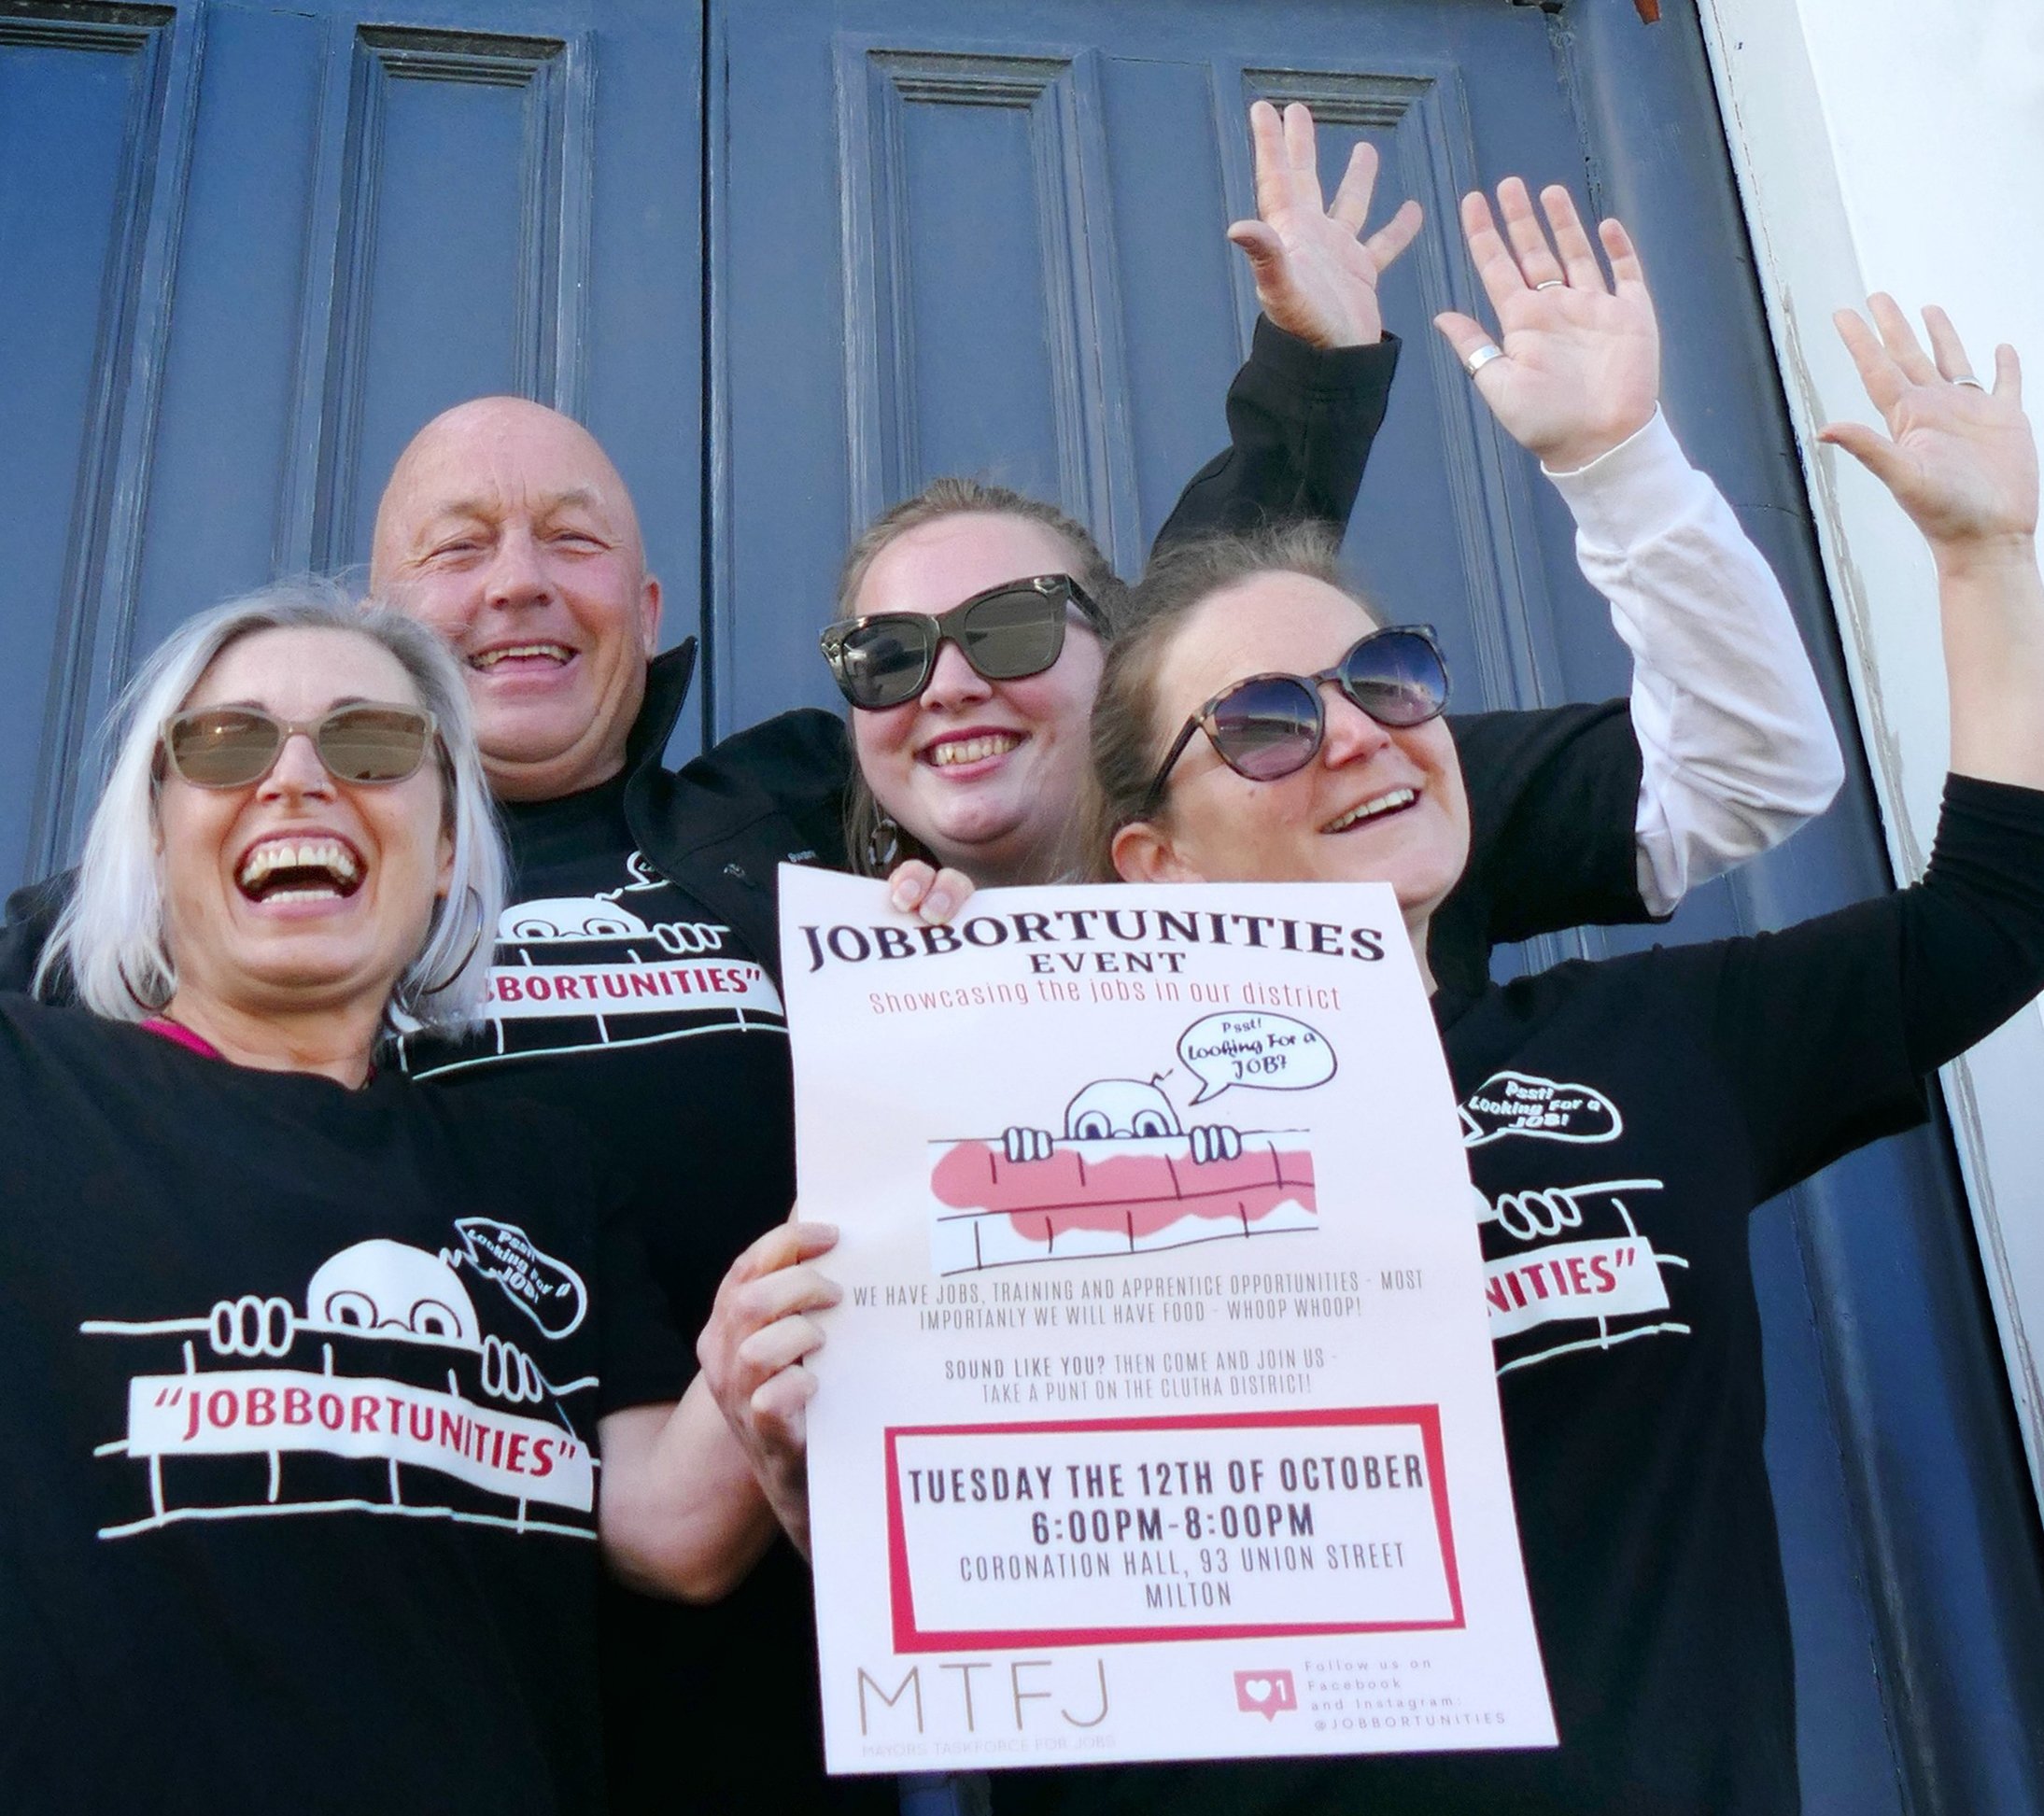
[[252, 247], [995, 200], [461, 228], [81, 112]]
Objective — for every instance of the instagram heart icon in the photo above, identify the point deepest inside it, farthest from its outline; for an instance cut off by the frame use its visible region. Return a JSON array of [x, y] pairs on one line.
[[1264, 1692]]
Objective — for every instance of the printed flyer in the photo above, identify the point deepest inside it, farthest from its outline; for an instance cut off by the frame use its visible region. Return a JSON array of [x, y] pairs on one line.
[[1158, 1419]]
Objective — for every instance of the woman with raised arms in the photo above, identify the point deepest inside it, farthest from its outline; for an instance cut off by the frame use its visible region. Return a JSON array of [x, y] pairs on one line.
[[978, 622], [973, 621], [1259, 722], [1238, 729]]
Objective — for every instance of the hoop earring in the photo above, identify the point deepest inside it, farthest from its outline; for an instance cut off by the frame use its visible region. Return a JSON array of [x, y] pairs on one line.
[[883, 844], [473, 904], [137, 998]]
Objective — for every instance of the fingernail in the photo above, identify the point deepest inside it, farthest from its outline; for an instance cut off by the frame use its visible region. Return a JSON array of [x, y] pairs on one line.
[[937, 904], [903, 898]]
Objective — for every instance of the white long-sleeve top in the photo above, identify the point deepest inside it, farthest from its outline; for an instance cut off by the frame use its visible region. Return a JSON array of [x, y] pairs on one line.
[[1737, 749]]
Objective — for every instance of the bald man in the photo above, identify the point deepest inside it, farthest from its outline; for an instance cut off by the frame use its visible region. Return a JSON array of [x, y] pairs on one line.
[[505, 527]]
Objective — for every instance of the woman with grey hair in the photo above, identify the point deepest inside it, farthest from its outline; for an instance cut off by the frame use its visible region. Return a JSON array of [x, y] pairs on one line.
[[308, 1372], [110, 937]]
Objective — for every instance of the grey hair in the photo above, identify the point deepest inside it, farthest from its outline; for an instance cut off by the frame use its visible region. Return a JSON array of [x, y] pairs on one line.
[[110, 937]]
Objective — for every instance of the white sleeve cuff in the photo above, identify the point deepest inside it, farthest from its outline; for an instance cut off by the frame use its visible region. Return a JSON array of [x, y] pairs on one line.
[[1629, 490]]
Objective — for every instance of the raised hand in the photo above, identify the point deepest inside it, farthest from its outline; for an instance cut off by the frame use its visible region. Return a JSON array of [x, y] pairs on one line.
[[1582, 359], [1959, 458], [1315, 276]]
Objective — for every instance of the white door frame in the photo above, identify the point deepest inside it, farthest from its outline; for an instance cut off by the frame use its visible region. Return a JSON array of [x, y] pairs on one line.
[[1899, 145]]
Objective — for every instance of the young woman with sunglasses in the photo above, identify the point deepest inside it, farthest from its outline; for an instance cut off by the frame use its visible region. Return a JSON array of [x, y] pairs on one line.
[[307, 1367], [1246, 730], [973, 623]]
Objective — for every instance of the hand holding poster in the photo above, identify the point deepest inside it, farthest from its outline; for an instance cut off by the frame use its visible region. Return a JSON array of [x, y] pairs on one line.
[[1158, 1419]]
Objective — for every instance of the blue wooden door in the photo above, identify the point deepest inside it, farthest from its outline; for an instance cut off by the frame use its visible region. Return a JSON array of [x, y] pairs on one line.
[[247, 249], [985, 240]]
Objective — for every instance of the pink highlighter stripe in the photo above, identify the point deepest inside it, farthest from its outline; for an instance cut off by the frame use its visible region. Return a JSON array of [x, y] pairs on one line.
[[158, 1024]]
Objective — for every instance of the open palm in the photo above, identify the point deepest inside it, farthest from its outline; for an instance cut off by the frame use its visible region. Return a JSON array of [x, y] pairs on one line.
[[1582, 360], [1315, 276], [1961, 462]]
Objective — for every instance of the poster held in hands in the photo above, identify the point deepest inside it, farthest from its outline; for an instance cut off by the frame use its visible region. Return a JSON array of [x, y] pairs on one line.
[[1159, 1418]]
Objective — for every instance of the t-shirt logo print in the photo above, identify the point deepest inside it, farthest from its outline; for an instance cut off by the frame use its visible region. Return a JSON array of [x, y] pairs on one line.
[[1517, 1104], [262, 1418], [575, 972], [547, 1291], [1562, 1255]]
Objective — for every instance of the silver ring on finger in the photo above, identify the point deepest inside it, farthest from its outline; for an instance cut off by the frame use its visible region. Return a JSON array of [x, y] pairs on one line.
[[1966, 378], [1552, 284], [1483, 356]]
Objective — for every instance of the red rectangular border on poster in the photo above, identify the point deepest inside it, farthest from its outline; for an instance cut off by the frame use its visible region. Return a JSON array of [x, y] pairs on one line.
[[909, 1637]]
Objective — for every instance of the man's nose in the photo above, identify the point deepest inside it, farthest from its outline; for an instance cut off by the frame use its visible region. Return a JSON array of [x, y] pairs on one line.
[[298, 771], [516, 575], [954, 680]]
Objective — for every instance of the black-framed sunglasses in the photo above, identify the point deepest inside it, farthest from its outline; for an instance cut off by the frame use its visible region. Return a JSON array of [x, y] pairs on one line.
[[1272, 726], [234, 746], [1006, 633]]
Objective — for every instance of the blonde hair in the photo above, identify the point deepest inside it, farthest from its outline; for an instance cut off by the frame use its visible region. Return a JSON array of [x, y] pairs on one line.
[[874, 842], [1127, 744]]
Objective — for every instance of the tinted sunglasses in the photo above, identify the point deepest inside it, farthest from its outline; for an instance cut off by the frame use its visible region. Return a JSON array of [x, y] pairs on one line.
[[232, 746], [1006, 633], [1273, 726]]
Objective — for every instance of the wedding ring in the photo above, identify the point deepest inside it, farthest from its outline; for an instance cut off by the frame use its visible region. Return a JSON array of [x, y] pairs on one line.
[[1967, 380], [1552, 284], [1483, 356]]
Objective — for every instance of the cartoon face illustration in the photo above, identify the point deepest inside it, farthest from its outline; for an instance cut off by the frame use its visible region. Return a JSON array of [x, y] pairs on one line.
[[1123, 1108], [567, 916], [381, 1285]]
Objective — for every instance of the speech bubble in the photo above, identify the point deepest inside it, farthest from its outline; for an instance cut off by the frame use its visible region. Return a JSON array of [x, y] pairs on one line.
[[1266, 1693], [547, 1291], [1262, 1053], [1510, 1103]]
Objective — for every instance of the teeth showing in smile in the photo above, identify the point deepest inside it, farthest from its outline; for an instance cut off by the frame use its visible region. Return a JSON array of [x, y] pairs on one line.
[[488, 659], [972, 750], [299, 870], [1370, 810]]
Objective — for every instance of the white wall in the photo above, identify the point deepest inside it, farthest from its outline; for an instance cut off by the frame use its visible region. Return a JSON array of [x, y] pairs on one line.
[[1898, 145]]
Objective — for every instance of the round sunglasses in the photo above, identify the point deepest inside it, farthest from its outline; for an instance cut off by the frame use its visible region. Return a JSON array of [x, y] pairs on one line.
[[234, 746], [1272, 726], [1006, 633]]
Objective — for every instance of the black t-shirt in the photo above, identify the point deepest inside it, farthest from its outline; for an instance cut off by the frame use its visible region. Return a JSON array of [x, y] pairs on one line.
[[299, 1390], [1620, 1119], [617, 997]]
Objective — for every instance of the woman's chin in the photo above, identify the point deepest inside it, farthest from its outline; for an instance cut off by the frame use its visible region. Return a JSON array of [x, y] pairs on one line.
[[967, 825], [305, 975]]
